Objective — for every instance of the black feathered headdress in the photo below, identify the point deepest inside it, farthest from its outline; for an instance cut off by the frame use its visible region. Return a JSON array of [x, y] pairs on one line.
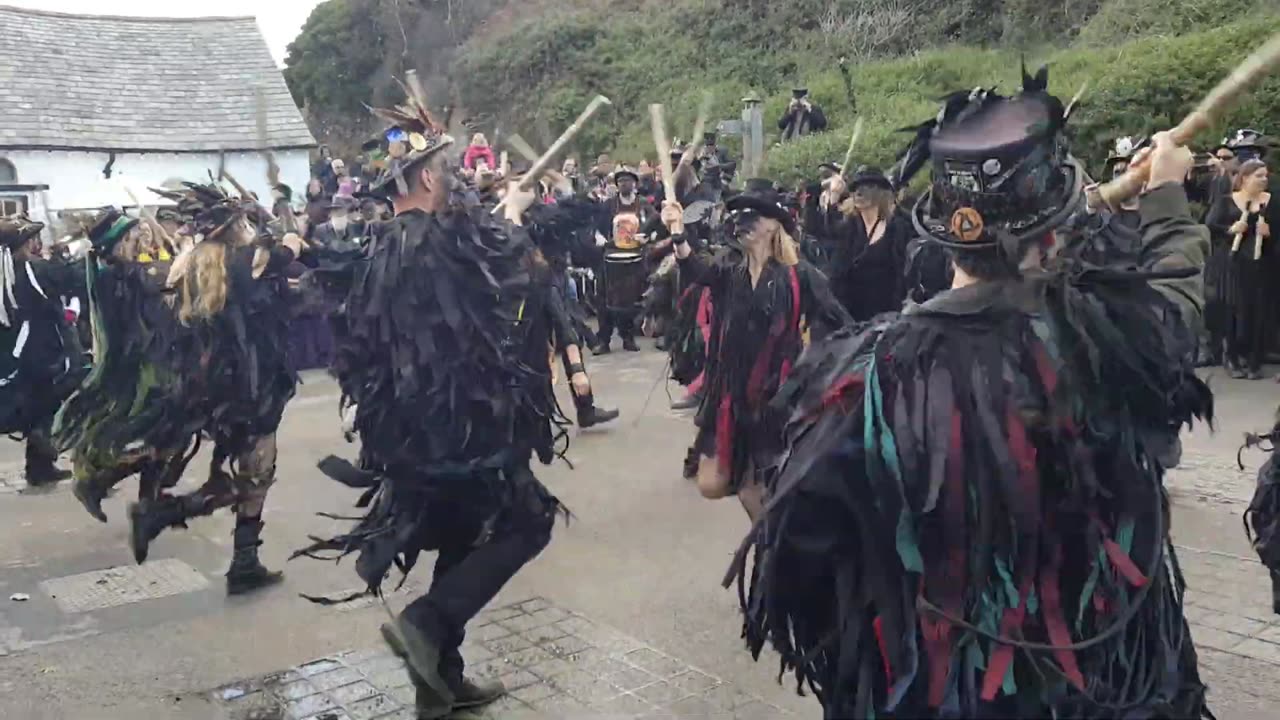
[[412, 136], [1002, 174], [208, 209]]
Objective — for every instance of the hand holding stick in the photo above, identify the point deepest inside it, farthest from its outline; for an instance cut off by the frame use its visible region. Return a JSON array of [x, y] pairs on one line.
[[1256, 68]]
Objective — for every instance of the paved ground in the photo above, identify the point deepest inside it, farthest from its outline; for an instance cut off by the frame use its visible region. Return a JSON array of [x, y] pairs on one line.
[[622, 615]]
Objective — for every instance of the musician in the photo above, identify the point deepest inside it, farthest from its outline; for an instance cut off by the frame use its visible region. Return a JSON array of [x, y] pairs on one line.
[[624, 215]]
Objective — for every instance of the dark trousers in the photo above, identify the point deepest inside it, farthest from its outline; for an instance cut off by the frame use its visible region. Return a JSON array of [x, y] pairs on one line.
[[470, 570], [40, 452], [624, 321]]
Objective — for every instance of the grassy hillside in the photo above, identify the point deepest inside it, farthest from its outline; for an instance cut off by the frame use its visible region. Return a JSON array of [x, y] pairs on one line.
[[1147, 62]]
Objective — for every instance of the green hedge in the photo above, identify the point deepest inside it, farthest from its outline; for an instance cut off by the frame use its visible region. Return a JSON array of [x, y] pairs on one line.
[[549, 68]]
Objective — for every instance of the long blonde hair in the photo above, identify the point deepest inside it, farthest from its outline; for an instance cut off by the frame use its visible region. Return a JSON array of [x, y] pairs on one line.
[[882, 199], [204, 284], [784, 248]]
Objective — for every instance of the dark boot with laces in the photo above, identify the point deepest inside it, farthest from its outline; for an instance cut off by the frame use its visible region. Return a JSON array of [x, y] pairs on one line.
[[149, 518]]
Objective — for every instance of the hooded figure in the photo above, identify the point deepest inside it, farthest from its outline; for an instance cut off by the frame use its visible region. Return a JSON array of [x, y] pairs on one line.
[[969, 518]]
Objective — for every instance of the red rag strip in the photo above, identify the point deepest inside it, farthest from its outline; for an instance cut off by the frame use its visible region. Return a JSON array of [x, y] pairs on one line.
[[1002, 656], [878, 626], [1119, 558], [1055, 621], [724, 432]]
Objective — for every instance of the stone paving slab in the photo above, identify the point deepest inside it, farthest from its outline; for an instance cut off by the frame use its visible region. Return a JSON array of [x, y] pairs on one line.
[[555, 664], [123, 585]]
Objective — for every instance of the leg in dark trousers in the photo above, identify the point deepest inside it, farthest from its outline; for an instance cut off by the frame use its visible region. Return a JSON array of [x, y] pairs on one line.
[[468, 576], [1275, 591], [608, 318], [626, 322]]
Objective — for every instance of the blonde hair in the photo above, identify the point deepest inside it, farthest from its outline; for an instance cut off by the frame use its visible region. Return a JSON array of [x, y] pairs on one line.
[[204, 284], [784, 248], [882, 199]]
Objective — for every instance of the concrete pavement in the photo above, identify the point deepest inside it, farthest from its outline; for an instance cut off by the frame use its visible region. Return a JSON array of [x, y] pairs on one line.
[[622, 614]]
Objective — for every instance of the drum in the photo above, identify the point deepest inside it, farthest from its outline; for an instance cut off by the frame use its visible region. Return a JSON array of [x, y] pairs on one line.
[[624, 279]]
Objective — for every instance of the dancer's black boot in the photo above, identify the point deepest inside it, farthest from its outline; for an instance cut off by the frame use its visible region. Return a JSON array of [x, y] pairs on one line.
[[247, 573], [588, 414]]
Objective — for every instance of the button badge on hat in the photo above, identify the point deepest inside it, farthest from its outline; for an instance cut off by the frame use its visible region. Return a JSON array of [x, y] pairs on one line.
[[967, 224]]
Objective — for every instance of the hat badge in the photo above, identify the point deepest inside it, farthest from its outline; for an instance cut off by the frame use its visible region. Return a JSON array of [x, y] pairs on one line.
[[967, 224]]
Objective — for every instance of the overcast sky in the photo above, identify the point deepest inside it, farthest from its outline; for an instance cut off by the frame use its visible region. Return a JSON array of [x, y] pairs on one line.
[[280, 20]]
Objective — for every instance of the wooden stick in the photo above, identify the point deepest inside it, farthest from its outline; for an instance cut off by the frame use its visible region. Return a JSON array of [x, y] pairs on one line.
[[504, 165], [565, 138], [845, 170], [1256, 68], [540, 165], [664, 150], [703, 112], [524, 148], [151, 218]]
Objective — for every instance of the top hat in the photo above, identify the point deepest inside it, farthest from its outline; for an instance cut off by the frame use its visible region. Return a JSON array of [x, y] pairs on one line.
[[761, 196]]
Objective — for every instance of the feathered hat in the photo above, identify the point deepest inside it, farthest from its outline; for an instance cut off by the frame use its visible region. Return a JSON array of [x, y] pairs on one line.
[[206, 207], [1001, 171], [412, 136], [1122, 152]]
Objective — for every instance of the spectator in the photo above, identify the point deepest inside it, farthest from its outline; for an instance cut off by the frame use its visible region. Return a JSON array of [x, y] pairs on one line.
[[340, 234], [317, 205], [323, 166], [802, 116], [478, 150], [336, 177]]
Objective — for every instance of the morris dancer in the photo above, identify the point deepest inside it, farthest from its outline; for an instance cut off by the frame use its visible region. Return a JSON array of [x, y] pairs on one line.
[[970, 519]]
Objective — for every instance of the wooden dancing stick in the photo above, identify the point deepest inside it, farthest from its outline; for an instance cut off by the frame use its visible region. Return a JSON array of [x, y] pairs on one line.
[[521, 146], [664, 151], [1222, 98], [853, 142], [540, 165], [565, 138], [704, 111]]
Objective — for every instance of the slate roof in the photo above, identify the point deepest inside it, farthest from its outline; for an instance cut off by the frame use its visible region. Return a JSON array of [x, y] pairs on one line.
[[139, 84]]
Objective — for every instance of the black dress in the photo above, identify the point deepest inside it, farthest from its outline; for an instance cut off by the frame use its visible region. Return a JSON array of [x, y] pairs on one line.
[[1242, 282], [867, 277], [756, 338]]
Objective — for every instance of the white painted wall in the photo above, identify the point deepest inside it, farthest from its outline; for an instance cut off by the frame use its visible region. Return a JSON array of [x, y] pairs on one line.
[[75, 178]]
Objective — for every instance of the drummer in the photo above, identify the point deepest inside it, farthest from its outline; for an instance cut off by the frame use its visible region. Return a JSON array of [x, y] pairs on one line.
[[623, 215]]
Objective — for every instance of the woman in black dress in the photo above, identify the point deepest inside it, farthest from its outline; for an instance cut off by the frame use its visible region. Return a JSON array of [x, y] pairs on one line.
[[866, 265], [764, 297], [1242, 224]]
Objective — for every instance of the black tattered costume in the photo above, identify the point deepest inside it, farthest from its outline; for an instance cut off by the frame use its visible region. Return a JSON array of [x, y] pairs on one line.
[[968, 519], [442, 357], [164, 380]]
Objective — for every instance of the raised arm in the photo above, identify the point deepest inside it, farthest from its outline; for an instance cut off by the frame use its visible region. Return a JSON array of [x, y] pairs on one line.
[[1171, 239]]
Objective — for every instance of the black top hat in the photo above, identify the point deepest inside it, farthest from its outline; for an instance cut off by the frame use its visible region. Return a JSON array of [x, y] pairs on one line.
[[761, 196], [1002, 174], [866, 175], [108, 229], [1247, 143], [413, 136], [17, 229], [1124, 149]]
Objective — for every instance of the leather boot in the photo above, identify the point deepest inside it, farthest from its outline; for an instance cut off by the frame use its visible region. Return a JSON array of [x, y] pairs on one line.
[[589, 415], [40, 467], [148, 518], [601, 348], [421, 654], [247, 573], [629, 344]]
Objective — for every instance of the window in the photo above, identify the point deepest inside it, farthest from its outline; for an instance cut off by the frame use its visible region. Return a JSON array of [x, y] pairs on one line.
[[8, 173], [12, 204]]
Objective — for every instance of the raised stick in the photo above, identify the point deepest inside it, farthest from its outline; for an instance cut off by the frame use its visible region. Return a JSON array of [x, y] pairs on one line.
[[664, 150], [704, 111], [1222, 98], [853, 142], [540, 165]]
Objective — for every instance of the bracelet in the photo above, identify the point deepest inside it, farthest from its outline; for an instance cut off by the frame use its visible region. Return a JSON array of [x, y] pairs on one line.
[[576, 368]]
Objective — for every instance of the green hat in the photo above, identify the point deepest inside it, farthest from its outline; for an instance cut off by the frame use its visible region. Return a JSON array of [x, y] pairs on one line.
[[108, 229]]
